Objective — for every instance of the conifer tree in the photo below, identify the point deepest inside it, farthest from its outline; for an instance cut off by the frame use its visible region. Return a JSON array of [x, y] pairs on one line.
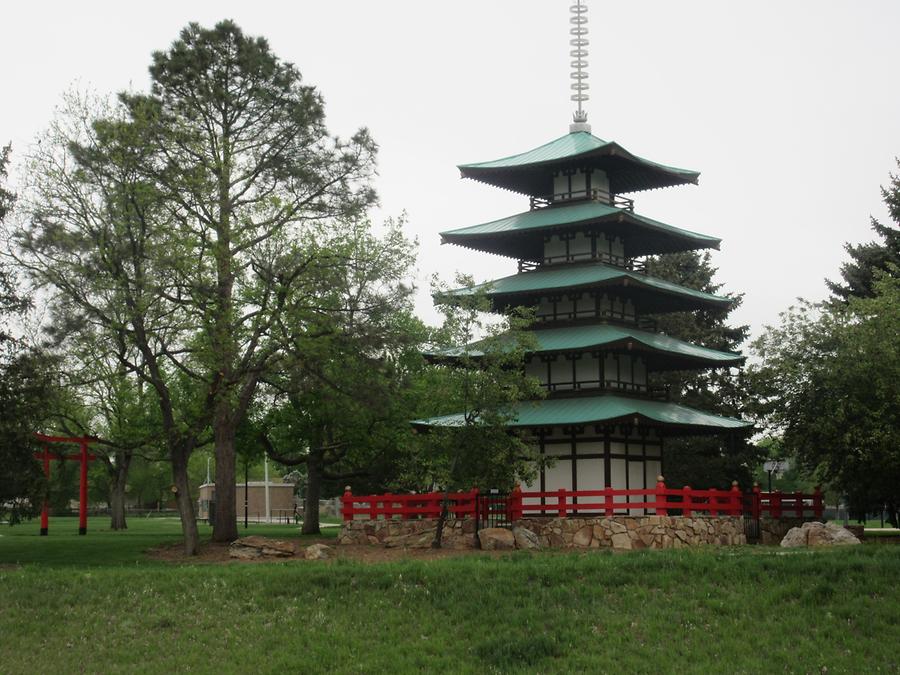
[[858, 274]]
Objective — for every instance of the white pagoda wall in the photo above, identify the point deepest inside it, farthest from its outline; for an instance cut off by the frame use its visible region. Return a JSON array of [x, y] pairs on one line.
[[584, 305], [565, 247], [579, 184], [583, 459], [562, 372]]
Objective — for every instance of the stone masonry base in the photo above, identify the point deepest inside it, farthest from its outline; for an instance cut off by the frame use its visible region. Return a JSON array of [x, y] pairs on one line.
[[618, 532]]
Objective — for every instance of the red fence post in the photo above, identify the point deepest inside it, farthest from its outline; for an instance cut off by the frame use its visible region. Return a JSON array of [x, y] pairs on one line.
[[756, 504], [775, 502], [515, 504], [347, 504], [817, 502], [45, 511], [83, 490], [661, 509], [686, 509], [608, 501], [735, 501], [405, 506], [561, 502]]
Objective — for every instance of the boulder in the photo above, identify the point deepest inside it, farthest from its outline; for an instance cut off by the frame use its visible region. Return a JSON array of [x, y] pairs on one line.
[[525, 538], [795, 537], [248, 548], [496, 539], [818, 534], [317, 552]]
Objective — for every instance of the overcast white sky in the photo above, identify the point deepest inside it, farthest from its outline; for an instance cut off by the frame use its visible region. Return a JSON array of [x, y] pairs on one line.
[[790, 109]]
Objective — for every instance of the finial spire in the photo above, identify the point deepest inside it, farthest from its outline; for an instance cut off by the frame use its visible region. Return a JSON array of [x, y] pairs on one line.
[[579, 53]]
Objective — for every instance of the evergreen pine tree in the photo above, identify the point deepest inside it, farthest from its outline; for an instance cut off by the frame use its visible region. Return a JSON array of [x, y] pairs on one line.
[[704, 460], [858, 273]]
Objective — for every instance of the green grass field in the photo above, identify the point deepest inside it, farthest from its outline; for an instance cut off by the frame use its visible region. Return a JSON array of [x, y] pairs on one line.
[[98, 604]]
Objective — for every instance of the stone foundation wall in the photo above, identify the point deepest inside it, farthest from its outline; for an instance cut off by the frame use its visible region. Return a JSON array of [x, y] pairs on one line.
[[620, 532], [408, 533], [636, 532]]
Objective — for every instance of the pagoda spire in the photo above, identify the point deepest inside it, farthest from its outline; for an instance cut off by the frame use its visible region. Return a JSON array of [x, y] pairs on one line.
[[579, 53]]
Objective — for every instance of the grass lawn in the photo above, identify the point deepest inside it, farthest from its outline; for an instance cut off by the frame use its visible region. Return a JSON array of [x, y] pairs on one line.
[[97, 604]]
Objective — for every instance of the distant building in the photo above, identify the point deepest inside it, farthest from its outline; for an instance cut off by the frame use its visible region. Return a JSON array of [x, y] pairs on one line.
[[282, 502]]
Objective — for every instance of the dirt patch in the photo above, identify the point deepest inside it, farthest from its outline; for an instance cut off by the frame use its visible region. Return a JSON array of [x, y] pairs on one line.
[[217, 553]]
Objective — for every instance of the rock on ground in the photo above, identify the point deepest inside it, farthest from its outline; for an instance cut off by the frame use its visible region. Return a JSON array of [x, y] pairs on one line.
[[247, 548], [818, 534], [496, 539], [317, 552], [525, 538]]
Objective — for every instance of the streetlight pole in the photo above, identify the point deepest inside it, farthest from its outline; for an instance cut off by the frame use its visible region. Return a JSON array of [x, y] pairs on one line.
[[246, 491]]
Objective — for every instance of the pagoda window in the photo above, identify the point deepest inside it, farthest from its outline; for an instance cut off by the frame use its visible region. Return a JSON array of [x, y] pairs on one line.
[[600, 187], [604, 247], [538, 369], [605, 305], [640, 372], [617, 308], [587, 372], [561, 188], [556, 248], [617, 251], [561, 374], [579, 247], [610, 370], [626, 374], [586, 306], [546, 310], [579, 184]]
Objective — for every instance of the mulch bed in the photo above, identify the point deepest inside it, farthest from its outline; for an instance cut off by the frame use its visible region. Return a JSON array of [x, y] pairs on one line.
[[217, 553]]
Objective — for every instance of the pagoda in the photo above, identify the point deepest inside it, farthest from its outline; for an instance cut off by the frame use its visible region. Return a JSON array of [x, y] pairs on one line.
[[579, 248]]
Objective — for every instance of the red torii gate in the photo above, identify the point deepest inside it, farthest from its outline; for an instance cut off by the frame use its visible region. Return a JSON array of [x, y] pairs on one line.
[[83, 442]]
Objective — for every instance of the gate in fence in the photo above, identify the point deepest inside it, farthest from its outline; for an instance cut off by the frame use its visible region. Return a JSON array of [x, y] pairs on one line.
[[492, 509], [751, 517]]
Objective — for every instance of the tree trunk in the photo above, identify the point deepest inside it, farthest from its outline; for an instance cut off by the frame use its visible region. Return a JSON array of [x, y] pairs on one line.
[[313, 492], [117, 492], [225, 529], [184, 501], [439, 530], [445, 504]]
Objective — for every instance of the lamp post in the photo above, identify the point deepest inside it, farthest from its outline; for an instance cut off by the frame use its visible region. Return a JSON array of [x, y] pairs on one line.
[[246, 491]]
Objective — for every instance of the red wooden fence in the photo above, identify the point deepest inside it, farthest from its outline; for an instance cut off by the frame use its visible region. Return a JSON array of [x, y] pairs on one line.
[[561, 503], [426, 505], [779, 504]]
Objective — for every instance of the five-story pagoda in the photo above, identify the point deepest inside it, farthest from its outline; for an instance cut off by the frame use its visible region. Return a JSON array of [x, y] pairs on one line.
[[579, 250]]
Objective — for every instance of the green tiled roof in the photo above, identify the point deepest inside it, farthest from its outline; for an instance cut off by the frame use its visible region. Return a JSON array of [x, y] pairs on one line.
[[584, 337], [561, 277], [527, 172], [521, 236], [600, 409]]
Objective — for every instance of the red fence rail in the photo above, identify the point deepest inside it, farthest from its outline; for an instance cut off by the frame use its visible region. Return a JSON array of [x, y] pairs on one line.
[[779, 504], [406, 507], [660, 500]]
